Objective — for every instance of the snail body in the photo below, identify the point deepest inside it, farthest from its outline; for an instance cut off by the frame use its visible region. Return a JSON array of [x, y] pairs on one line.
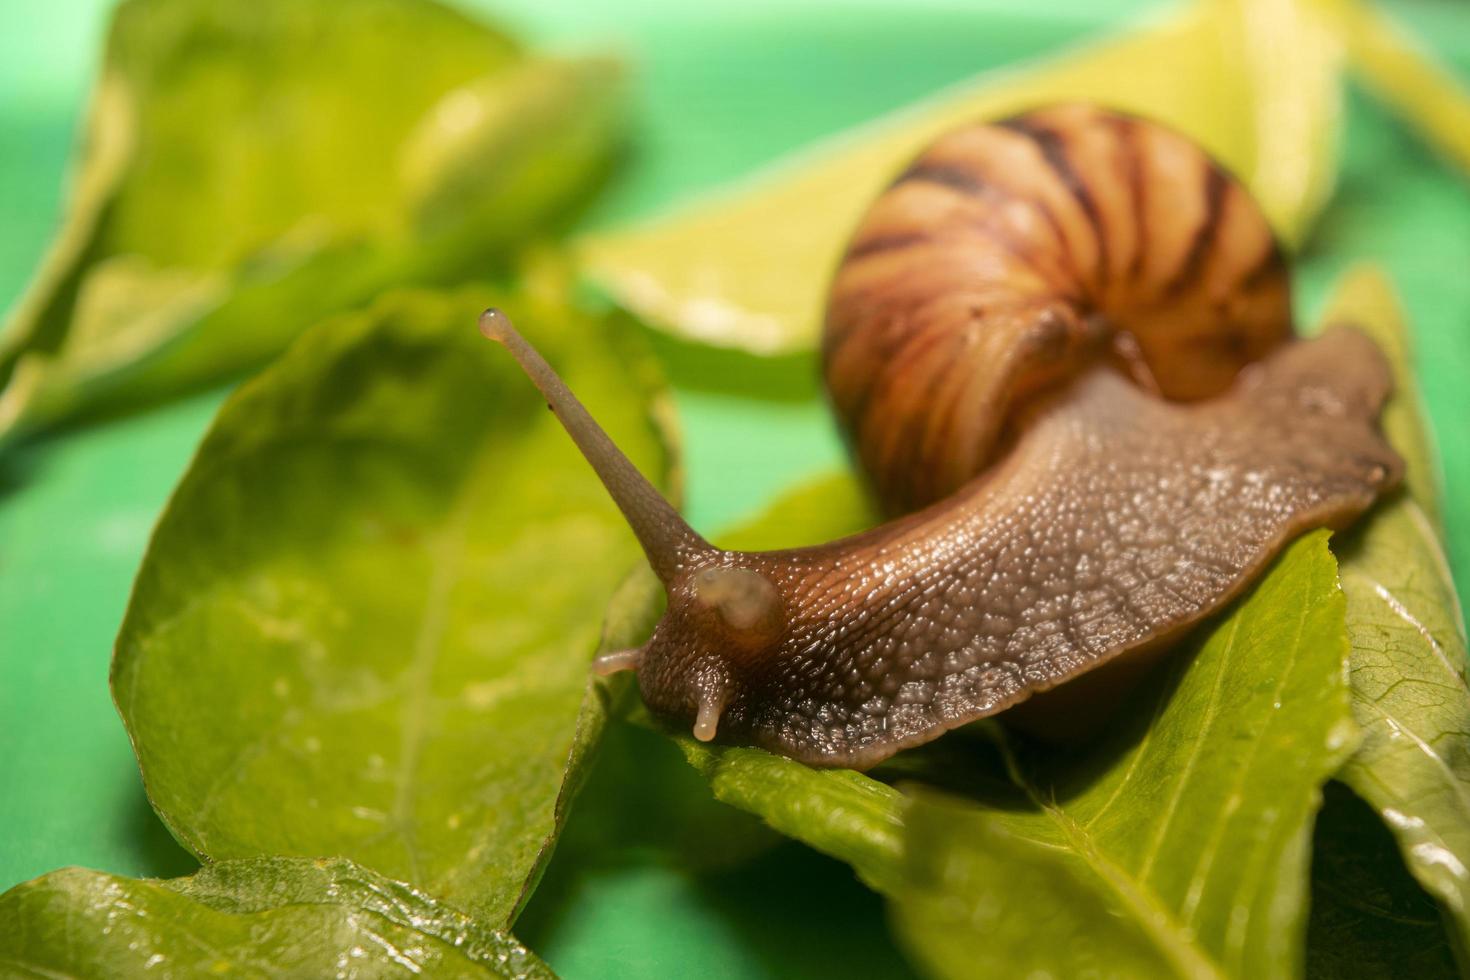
[[1066, 339]]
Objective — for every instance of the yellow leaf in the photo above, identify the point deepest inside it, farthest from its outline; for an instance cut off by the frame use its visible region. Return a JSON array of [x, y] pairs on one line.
[[1256, 81], [1365, 298], [1406, 75]]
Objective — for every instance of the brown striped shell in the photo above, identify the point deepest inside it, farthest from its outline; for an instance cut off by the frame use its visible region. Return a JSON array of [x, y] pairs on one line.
[[1011, 254], [1068, 336]]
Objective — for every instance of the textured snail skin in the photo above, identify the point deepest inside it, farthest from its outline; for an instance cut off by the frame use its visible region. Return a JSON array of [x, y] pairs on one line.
[[1069, 335], [1116, 522]]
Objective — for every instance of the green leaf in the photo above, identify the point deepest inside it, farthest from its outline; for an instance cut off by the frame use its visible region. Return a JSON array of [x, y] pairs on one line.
[[261, 917], [364, 622], [1183, 836], [749, 268], [1176, 843], [1408, 641], [842, 813], [964, 859], [252, 168]]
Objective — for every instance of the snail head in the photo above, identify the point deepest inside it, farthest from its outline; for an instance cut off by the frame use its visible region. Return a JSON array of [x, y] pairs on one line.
[[724, 613]]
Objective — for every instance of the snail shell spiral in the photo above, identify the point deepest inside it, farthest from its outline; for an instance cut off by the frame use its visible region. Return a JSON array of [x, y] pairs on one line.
[[1011, 254]]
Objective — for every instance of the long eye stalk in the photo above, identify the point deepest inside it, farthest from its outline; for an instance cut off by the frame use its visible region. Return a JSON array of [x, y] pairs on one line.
[[667, 541]]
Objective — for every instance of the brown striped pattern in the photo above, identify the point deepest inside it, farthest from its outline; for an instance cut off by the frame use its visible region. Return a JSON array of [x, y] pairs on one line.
[[1010, 255]]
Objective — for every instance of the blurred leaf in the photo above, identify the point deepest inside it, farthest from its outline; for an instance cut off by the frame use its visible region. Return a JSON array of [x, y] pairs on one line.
[[1176, 844], [1408, 640], [1256, 81], [251, 168], [262, 917], [364, 621], [1368, 919], [823, 509], [496, 159], [1365, 298], [1406, 74]]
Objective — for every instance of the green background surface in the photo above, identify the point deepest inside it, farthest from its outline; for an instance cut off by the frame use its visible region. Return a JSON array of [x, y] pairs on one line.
[[721, 87]]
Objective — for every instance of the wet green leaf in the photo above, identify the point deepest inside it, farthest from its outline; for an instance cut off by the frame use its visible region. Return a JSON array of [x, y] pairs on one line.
[[1408, 639], [265, 917], [364, 622], [1175, 844], [749, 268], [252, 168]]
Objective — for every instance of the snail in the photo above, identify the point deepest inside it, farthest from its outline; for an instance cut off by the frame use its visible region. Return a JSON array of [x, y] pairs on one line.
[[1062, 344]]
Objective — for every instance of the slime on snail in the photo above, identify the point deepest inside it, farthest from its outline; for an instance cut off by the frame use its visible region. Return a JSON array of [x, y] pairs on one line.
[[1061, 347]]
